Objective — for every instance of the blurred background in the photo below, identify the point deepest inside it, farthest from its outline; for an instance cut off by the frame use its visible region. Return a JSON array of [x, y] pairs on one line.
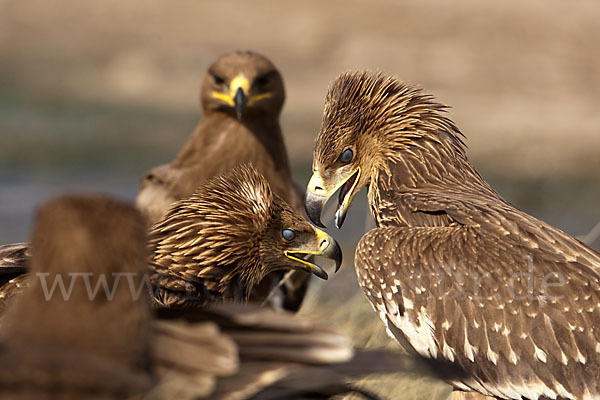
[[93, 94]]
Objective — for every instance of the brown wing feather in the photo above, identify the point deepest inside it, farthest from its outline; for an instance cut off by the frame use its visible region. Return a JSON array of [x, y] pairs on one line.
[[468, 300], [501, 218]]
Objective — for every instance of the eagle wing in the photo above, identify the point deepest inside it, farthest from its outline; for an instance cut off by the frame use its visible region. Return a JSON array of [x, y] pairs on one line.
[[510, 318], [440, 207]]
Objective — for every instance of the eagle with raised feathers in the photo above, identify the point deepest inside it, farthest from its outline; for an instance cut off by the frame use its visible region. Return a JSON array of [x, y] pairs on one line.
[[503, 304], [224, 239]]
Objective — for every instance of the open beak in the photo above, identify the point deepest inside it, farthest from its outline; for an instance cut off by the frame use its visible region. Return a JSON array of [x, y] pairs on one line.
[[328, 248], [316, 197]]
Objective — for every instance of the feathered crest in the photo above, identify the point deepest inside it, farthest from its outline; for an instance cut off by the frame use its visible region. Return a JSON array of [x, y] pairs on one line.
[[241, 198], [374, 104], [221, 223]]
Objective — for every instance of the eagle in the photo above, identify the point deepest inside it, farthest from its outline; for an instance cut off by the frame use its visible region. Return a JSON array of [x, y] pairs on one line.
[[97, 338], [502, 304], [242, 96], [216, 245], [224, 239]]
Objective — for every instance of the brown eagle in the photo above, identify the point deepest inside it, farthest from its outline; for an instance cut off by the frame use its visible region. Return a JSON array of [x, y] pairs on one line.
[[242, 96], [96, 337], [503, 304], [224, 239]]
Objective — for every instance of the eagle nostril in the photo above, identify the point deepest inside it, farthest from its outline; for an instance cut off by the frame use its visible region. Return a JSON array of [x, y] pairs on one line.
[[323, 244]]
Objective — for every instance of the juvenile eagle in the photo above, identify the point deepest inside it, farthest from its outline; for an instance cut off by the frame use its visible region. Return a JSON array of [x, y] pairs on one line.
[[97, 338], [242, 96], [215, 245], [224, 239], [504, 304]]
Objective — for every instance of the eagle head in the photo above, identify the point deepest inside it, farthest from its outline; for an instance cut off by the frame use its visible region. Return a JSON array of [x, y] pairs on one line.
[[243, 83], [369, 120], [235, 230]]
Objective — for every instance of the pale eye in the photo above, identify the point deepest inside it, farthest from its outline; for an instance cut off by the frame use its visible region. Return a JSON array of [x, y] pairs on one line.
[[288, 234], [346, 156]]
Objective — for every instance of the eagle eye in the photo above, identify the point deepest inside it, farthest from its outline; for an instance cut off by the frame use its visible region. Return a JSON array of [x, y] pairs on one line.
[[288, 234], [217, 79], [346, 156], [263, 80]]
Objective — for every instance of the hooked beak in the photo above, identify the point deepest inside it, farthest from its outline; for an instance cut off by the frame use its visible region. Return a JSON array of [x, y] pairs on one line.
[[239, 102], [328, 248], [313, 204], [316, 197], [239, 89], [239, 95]]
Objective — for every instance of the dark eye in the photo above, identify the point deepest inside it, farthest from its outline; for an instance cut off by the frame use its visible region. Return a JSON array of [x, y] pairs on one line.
[[288, 234], [218, 80], [263, 80], [346, 156]]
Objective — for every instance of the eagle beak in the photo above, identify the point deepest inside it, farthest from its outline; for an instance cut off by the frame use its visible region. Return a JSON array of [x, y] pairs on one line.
[[238, 91], [346, 195], [239, 95], [239, 101], [328, 248], [314, 206], [316, 197]]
